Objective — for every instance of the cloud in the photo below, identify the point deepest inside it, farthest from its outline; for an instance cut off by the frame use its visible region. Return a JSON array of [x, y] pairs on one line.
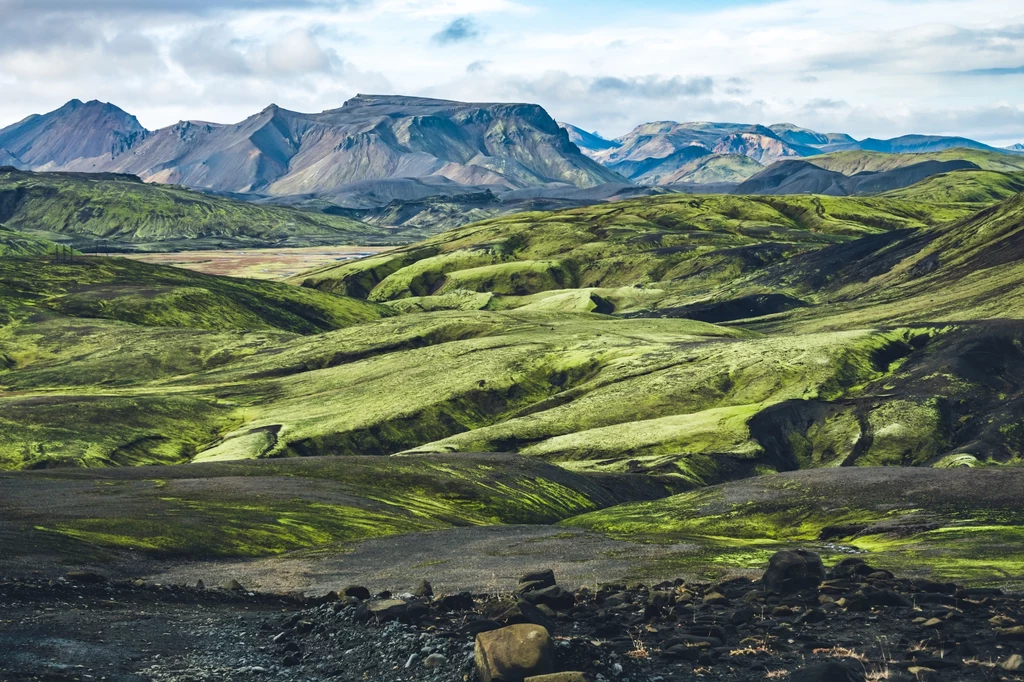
[[653, 87], [461, 30], [210, 51], [825, 103], [479, 66], [297, 52], [993, 71]]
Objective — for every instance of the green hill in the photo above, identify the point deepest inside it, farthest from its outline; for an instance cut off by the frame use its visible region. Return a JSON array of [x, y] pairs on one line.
[[18, 244], [631, 253], [967, 186], [115, 212], [158, 296], [853, 162]]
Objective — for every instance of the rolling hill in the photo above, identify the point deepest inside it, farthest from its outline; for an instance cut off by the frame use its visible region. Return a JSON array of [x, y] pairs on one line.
[[112, 212]]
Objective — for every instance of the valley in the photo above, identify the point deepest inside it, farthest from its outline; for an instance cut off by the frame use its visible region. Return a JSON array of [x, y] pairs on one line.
[[504, 346]]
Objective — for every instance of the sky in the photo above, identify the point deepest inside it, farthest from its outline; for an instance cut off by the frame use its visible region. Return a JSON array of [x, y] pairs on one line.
[[870, 68]]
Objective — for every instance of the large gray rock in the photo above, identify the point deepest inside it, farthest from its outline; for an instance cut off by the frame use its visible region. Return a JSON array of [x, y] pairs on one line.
[[514, 653], [793, 570]]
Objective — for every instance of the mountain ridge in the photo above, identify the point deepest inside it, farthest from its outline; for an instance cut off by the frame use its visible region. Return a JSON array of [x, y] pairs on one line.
[[278, 151]]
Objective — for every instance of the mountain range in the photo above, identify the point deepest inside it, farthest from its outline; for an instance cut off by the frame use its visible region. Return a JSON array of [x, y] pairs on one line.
[[667, 153], [391, 151], [281, 152]]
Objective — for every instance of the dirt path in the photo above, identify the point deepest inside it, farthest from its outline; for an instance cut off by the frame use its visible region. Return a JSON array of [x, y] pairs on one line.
[[480, 559]]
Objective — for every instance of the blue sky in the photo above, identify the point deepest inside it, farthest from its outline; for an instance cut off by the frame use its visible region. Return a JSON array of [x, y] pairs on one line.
[[876, 68]]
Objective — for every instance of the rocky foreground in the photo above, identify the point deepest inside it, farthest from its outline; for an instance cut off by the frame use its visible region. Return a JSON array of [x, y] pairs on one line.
[[800, 622]]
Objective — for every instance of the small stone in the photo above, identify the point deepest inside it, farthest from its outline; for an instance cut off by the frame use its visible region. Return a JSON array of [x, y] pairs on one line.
[[435, 661], [234, 586], [1016, 633], [423, 590], [716, 599], [932, 623], [86, 578], [200, 585], [559, 677], [1013, 663]]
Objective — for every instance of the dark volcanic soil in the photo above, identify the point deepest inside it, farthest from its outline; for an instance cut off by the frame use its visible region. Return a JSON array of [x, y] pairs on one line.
[[880, 627]]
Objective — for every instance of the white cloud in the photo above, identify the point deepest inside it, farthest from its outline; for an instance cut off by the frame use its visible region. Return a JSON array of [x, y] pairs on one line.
[[872, 68]]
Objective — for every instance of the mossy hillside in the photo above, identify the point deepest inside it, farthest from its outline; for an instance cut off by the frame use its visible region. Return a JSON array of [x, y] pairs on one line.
[[958, 525], [469, 379], [687, 405], [153, 295], [370, 389], [94, 211], [96, 428], [979, 187], [56, 352], [17, 244], [688, 242], [271, 507], [967, 270]]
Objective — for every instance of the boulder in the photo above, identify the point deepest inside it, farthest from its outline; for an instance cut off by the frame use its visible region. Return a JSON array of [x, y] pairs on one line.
[[423, 590], [554, 597], [513, 653], [385, 610], [536, 580], [827, 672], [356, 591], [793, 570]]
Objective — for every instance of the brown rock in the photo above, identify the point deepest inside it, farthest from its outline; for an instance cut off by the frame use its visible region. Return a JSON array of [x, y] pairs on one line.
[[513, 653]]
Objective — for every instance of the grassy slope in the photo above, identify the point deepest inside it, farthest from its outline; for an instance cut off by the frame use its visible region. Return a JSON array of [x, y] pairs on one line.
[[661, 247], [154, 295], [19, 245], [265, 508], [960, 525], [95, 210], [964, 187]]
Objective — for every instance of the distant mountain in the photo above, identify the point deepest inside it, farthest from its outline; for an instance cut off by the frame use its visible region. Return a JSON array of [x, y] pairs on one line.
[[663, 152], [802, 136], [1016, 147], [915, 144], [78, 136], [804, 177], [716, 168], [587, 142], [280, 152]]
